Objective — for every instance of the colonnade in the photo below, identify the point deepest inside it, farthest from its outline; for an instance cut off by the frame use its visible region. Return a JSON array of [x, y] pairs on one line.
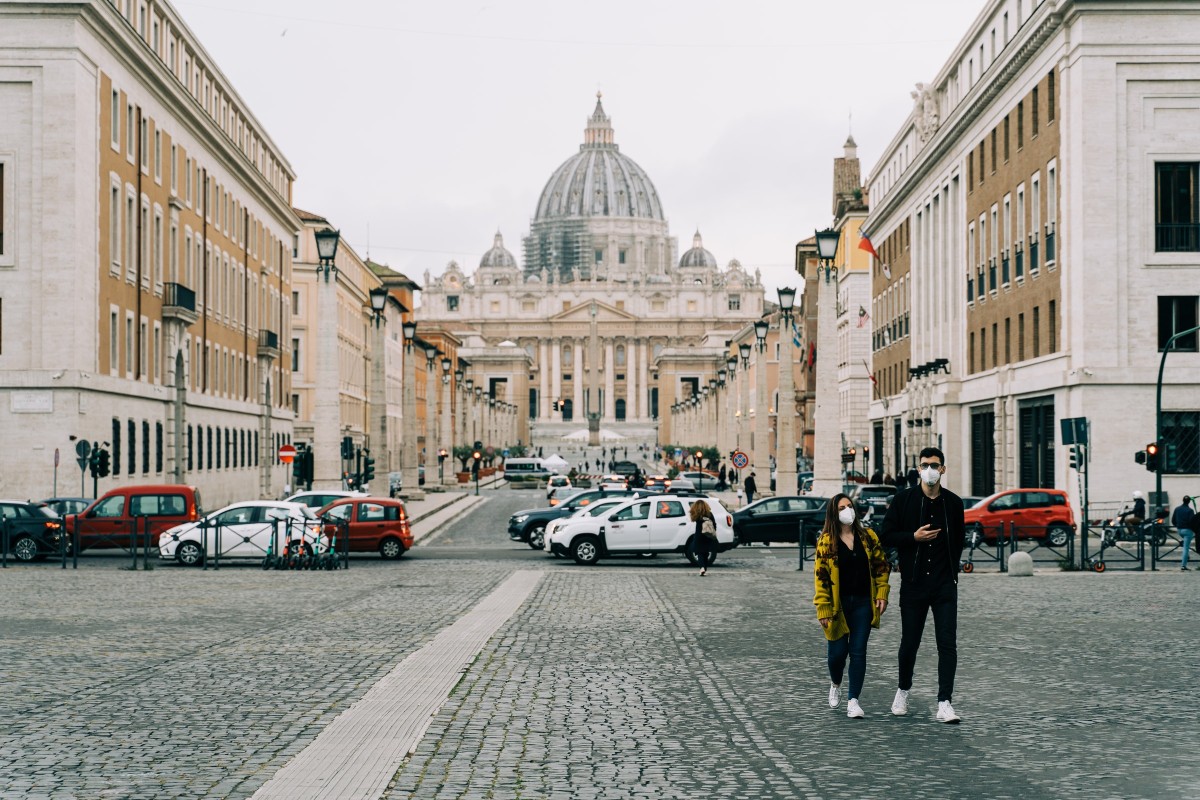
[[563, 376]]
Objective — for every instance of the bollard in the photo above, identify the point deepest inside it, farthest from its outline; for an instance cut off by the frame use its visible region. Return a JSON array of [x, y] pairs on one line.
[[133, 541], [1020, 565], [75, 547], [148, 545], [4, 544], [800, 545]]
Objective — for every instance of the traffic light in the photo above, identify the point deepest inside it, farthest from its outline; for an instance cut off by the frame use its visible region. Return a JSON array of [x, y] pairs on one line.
[[1140, 456], [1075, 457], [1154, 456], [347, 448], [99, 463], [476, 457], [556, 405], [368, 469]]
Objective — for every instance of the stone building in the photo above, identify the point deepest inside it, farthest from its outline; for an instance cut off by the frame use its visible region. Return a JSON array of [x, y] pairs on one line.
[[145, 257], [1036, 218], [598, 304]]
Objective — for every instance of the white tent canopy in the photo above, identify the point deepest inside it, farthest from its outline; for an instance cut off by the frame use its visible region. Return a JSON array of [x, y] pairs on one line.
[[606, 435], [556, 463]]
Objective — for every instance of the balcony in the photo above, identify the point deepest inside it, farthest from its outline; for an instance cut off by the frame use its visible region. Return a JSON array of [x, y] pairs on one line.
[[992, 275], [1050, 243], [268, 344], [179, 303], [1177, 237]]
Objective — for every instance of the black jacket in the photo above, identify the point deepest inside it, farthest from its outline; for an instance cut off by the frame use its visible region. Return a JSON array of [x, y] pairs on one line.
[[904, 517], [750, 485]]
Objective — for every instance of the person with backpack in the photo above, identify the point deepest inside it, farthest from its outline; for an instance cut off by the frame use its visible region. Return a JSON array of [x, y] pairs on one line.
[[851, 579], [706, 534]]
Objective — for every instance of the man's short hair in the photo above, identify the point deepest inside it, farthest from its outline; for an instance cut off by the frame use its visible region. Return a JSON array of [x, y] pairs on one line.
[[933, 451]]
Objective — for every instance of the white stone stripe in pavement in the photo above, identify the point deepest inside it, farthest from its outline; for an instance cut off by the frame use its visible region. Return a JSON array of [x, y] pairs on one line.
[[356, 755]]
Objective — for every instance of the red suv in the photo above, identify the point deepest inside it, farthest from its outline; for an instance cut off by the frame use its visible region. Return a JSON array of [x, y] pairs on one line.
[[1036, 514], [376, 524]]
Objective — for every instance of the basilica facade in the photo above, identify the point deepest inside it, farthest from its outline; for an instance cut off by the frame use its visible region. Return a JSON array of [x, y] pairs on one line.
[[603, 319]]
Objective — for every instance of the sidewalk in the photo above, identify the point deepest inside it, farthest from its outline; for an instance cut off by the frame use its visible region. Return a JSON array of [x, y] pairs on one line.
[[436, 509]]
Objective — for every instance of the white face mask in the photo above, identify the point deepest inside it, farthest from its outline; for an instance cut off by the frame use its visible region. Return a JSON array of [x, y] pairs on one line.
[[846, 515], [931, 476]]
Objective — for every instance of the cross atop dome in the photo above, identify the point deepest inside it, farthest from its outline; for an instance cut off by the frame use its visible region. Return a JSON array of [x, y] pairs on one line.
[[599, 132]]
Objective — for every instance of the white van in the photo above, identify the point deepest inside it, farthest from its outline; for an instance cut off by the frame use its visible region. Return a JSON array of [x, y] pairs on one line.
[[519, 470]]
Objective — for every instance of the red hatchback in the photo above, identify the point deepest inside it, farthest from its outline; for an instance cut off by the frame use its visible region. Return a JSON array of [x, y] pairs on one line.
[[1035, 513], [376, 524]]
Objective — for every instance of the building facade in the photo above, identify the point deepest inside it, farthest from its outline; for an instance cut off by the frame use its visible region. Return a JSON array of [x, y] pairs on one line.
[[1036, 220], [599, 300], [145, 254]]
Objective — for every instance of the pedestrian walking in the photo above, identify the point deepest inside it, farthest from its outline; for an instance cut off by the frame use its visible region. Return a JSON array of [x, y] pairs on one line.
[[751, 486], [851, 579], [926, 527], [1184, 520], [914, 479], [876, 477], [706, 535], [721, 478]]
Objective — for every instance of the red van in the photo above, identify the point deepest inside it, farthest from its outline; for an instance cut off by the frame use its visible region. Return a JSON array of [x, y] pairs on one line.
[[1036, 513], [376, 524], [108, 522]]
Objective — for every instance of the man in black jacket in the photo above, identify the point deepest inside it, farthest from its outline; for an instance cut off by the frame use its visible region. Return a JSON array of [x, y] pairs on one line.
[[925, 525]]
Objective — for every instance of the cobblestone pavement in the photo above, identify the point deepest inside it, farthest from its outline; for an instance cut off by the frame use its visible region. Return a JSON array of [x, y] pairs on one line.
[[635, 678]]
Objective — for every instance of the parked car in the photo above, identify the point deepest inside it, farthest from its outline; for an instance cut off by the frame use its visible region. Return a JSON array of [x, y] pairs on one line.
[[625, 468], [777, 519], [34, 530], [529, 526], [595, 509], [556, 482], [658, 524], [375, 525], [110, 521], [683, 485], [657, 482], [806, 485], [701, 480], [971, 502], [67, 505], [250, 529], [1036, 513], [322, 498], [872, 499], [614, 482]]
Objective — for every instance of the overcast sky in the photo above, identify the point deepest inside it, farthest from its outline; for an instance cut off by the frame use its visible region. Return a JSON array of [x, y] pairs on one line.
[[434, 124]]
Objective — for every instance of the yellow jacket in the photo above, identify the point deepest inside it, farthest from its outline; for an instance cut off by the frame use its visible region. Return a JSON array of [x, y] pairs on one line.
[[828, 599]]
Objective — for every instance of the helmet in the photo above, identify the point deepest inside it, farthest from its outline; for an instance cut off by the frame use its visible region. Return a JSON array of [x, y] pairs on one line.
[[1137, 495]]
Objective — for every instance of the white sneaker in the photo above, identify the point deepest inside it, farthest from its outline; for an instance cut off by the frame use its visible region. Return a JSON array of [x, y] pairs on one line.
[[854, 710], [946, 712], [900, 704], [835, 695]]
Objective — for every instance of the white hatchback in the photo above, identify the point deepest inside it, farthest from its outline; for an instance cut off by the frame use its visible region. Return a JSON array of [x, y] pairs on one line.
[[254, 529]]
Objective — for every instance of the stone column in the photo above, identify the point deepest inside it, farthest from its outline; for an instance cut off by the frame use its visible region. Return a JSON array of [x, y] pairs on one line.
[[632, 385], [762, 437], [327, 412], [556, 368], [409, 476], [447, 439], [785, 429], [577, 379], [544, 397], [827, 445], [377, 417], [609, 412], [431, 421]]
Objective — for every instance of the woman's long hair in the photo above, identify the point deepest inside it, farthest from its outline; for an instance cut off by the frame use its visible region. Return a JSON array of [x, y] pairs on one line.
[[833, 525], [699, 510]]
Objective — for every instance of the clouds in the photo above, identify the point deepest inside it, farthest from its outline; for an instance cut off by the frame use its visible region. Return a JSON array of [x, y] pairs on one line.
[[436, 123]]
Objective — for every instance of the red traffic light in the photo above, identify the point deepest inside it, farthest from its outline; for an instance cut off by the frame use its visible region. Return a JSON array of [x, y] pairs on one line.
[[1152, 449]]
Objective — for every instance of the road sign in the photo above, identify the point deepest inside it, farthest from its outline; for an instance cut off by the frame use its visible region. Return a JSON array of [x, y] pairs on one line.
[[491, 451], [740, 459], [83, 448], [1074, 430], [287, 454], [56, 456]]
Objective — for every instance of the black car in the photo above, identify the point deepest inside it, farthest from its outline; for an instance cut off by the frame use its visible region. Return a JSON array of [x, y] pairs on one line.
[[872, 497], [777, 519], [68, 505], [31, 530], [529, 526], [625, 468]]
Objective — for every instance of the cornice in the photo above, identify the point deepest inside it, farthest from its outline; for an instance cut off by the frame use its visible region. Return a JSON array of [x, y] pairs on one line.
[[949, 135]]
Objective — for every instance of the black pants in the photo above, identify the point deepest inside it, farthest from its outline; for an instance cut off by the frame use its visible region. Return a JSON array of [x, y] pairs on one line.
[[705, 551], [915, 605]]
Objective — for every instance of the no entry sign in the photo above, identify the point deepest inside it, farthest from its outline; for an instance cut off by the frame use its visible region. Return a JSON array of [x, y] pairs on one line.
[[287, 453]]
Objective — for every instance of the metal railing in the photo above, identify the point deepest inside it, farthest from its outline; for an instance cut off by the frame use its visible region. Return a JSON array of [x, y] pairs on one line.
[[180, 296], [1175, 237]]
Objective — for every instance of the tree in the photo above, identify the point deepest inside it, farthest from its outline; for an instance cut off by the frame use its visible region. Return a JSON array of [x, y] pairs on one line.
[[463, 453]]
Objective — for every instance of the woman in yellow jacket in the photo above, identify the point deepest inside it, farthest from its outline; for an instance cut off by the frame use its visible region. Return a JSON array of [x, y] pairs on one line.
[[851, 577]]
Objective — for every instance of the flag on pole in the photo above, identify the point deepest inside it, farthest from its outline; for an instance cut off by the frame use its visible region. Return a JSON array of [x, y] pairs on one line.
[[864, 243], [812, 354], [863, 317], [796, 336]]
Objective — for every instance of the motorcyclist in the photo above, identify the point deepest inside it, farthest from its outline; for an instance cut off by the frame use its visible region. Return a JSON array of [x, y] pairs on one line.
[[1133, 516]]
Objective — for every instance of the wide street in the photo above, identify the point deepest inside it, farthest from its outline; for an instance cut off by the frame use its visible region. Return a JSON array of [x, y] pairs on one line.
[[635, 678]]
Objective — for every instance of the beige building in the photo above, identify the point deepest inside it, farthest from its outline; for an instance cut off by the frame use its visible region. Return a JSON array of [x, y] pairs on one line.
[[145, 248]]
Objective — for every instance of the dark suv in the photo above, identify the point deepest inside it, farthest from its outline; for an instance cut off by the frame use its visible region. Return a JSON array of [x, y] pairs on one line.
[[33, 530], [777, 519], [529, 526]]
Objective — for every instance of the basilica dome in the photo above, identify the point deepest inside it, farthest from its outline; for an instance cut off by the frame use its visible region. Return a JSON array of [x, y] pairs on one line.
[[599, 180], [698, 256], [498, 256]]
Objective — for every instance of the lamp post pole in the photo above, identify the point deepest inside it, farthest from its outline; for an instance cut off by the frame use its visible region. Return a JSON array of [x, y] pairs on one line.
[[827, 449], [785, 456], [409, 476], [431, 424], [446, 444], [327, 414], [762, 437], [378, 428], [744, 387]]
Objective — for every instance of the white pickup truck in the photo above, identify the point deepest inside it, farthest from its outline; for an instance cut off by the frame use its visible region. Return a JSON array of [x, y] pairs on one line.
[[657, 524]]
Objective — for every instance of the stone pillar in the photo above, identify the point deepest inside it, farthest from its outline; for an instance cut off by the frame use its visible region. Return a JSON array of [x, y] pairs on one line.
[[377, 427], [827, 444], [762, 436], [447, 439], [431, 421], [409, 477], [609, 412], [556, 368], [632, 384], [327, 410], [577, 379], [544, 398], [785, 428]]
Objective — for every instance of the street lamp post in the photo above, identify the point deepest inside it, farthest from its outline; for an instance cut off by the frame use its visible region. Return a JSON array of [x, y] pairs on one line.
[[785, 429], [722, 424], [327, 412], [744, 402], [409, 475], [827, 448], [762, 438], [378, 425], [445, 419], [431, 426]]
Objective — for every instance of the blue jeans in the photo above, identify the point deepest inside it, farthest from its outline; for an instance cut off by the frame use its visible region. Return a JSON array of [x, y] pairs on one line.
[[1187, 534], [858, 611]]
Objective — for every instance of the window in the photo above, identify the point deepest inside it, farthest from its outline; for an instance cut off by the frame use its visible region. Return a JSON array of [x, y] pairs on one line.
[[1051, 211], [1037, 331], [1020, 337], [1050, 97], [995, 344], [1181, 435], [735, 302], [295, 356], [158, 155], [1176, 205], [142, 354], [144, 144], [158, 447], [174, 169], [970, 355], [131, 462], [452, 302], [1033, 113], [1020, 124], [113, 506], [130, 238], [1006, 154], [983, 348], [599, 256], [116, 446], [1035, 220], [669, 508], [621, 256], [157, 376], [191, 449], [187, 182], [114, 224], [1176, 314], [114, 120], [495, 306], [129, 128], [113, 342], [295, 304], [691, 306], [129, 345], [296, 405], [156, 256], [994, 159], [1052, 332], [1008, 340]]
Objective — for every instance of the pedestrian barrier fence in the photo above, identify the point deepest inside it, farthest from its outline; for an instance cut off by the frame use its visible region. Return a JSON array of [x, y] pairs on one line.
[[985, 545], [33, 541], [1116, 546], [1167, 546]]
